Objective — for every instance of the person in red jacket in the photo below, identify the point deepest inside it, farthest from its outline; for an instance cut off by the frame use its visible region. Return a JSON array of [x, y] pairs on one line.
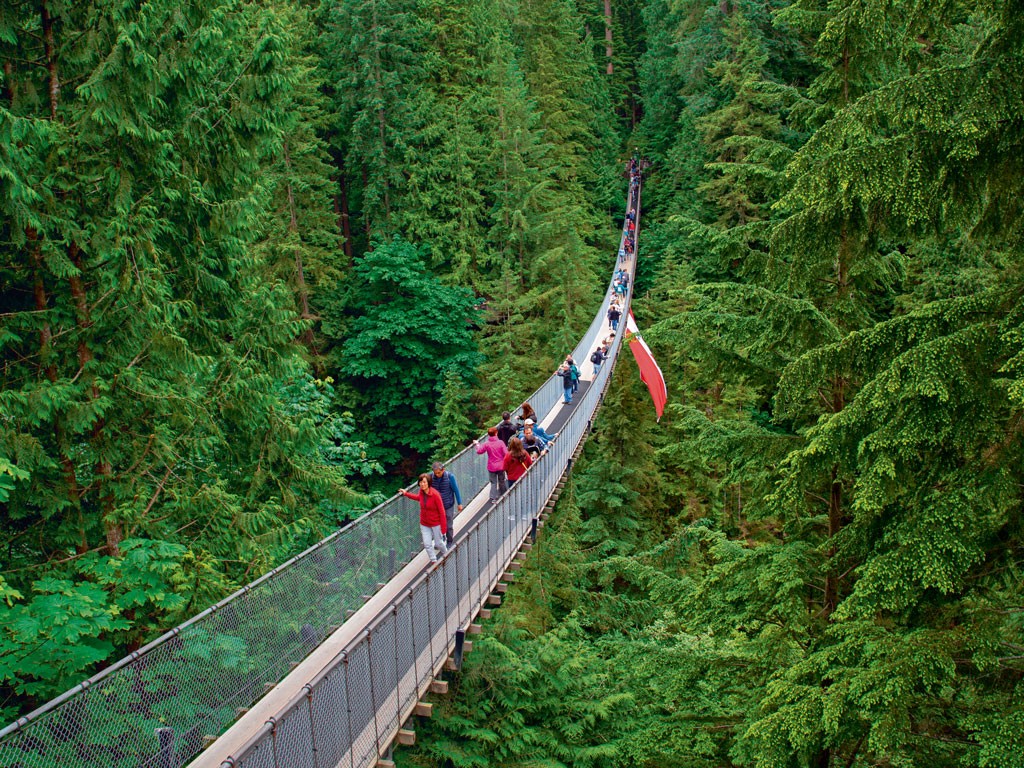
[[433, 524], [517, 461]]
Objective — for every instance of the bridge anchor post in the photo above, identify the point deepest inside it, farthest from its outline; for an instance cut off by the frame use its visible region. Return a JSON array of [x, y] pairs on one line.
[[165, 738], [460, 645]]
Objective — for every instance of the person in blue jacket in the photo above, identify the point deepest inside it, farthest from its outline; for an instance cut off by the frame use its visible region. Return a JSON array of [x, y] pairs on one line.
[[445, 484]]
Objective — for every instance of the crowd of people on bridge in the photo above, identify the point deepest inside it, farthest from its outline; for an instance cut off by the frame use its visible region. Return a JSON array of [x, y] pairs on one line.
[[511, 447]]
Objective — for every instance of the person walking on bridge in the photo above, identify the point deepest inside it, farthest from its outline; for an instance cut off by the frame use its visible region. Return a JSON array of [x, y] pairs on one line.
[[444, 482], [495, 450], [506, 429], [528, 413], [517, 461], [566, 376], [432, 520], [574, 372], [614, 313], [532, 426]]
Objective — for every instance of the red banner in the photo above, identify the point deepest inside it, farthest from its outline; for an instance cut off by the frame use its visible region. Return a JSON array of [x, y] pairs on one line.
[[650, 372]]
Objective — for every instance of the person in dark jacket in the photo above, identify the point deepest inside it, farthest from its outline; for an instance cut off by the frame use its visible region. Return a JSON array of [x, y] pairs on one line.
[[533, 445], [432, 520], [444, 483], [575, 373], [566, 375], [613, 317], [506, 430]]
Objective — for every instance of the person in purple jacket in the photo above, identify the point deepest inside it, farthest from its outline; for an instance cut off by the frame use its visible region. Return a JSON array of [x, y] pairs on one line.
[[495, 450]]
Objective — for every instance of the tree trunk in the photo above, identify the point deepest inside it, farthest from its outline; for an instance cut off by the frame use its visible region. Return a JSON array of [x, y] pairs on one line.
[[341, 208], [608, 34], [835, 514], [9, 94], [49, 47], [104, 471], [366, 214], [49, 369], [114, 533], [300, 272]]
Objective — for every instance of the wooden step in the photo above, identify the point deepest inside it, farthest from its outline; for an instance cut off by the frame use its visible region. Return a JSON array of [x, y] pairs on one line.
[[406, 737]]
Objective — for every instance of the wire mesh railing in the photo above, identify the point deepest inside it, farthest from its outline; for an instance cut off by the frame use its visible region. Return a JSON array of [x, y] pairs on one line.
[[457, 587], [427, 615], [156, 707]]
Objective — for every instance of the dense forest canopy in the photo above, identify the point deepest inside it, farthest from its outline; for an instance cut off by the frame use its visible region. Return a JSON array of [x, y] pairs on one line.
[[256, 256]]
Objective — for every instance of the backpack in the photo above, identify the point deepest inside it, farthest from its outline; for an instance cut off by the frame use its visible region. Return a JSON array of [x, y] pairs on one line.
[[596, 358], [575, 372]]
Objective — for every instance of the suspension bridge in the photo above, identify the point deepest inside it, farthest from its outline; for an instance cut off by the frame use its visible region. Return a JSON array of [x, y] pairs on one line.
[[324, 661]]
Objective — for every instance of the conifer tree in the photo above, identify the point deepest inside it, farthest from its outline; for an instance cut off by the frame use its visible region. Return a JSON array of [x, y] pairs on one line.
[[145, 351], [453, 425]]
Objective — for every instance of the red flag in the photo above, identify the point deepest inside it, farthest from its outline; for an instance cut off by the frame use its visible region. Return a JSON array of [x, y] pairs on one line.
[[650, 373]]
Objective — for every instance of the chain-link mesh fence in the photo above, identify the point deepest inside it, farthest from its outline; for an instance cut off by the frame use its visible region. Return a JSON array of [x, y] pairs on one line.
[[156, 708]]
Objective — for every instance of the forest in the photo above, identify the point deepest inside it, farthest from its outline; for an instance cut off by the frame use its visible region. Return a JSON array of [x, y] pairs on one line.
[[261, 258]]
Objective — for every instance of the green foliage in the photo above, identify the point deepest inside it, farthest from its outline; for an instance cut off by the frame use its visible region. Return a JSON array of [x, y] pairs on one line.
[[816, 560], [153, 456], [49, 641], [454, 427], [407, 332]]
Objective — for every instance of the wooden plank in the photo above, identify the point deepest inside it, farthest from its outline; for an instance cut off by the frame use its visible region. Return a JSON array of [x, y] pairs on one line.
[[423, 709], [494, 599], [501, 589], [485, 613], [440, 687], [475, 629]]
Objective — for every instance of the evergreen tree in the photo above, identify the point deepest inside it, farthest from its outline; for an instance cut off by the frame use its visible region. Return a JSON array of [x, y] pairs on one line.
[[145, 350], [453, 425], [407, 331]]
